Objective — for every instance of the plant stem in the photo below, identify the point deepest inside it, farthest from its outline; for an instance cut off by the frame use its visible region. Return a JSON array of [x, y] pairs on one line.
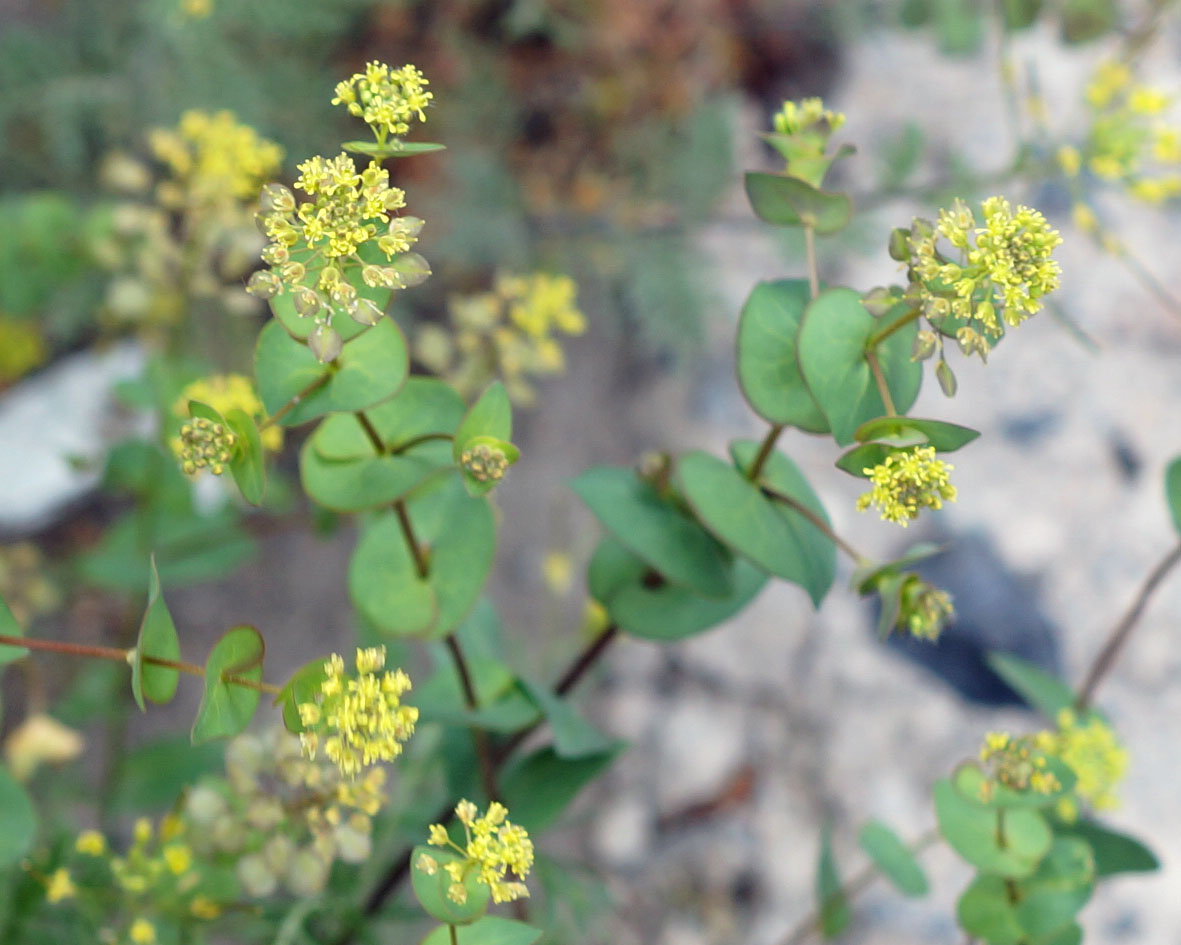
[[371, 432], [420, 562], [882, 334], [850, 890], [764, 451], [816, 520], [454, 935], [1122, 630], [880, 379], [813, 269], [415, 440], [294, 401], [479, 736], [123, 656]]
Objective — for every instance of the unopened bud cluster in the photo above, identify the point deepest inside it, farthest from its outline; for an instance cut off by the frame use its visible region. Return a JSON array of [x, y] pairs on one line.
[[205, 444], [925, 609], [801, 136], [1016, 764], [485, 462]]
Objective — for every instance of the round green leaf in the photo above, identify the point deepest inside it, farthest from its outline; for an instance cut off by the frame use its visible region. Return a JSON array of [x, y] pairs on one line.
[[491, 415], [299, 327], [430, 889], [157, 637], [774, 537], [860, 460], [945, 437], [227, 708], [490, 930], [18, 820], [424, 406], [667, 612], [301, 687], [1053, 896], [768, 371], [248, 466], [655, 529], [892, 857], [1114, 852], [357, 484], [460, 535], [975, 833], [984, 911], [371, 368], [831, 351], [789, 201]]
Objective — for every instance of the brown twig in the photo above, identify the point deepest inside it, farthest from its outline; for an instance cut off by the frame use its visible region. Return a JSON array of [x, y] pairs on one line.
[[479, 736]]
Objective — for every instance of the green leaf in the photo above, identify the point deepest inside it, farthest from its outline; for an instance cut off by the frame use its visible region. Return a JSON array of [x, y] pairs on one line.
[[831, 904], [358, 484], [490, 930], [945, 437], [300, 328], [776, 538], [976, 833], [618, 580], [984, 911], [18, 820], [491, 415], [968, 779], [789, 201], [893, 859], [1071, 935], [768, 371], [541, 786], [1114, 852], [574, 736], [831, 350], [247, 466], [157, 637], [1046, 693], [460, 533], [863, 579], [431, 889], [301, 687], [394, 148], [864, 457], [1053, 896], [227, 708], [370, 369], [424, 406], [10, 628], [1173, 491], [655, 529]]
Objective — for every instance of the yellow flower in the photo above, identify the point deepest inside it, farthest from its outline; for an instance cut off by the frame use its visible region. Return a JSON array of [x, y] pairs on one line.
[[22, 348], [1093, 752], [359, 720], [142, 932], [202, 907], [60, 886], [386, 99], [494, 848], [1016, 763], [178, 857], [907, 481], [91, 843]]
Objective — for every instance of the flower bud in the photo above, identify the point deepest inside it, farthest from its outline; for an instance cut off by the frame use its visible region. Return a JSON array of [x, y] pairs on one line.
[[898, 246], [264, 284], [925, 343], [275, 198], [292, 272], [366, 312], [413, 269], [308, 302], [878, 301], [275, 254], [325, 343], [946, 378], [408, 227], [256, 877]]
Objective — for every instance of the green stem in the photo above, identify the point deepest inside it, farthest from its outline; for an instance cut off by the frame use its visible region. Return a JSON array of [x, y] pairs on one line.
[[371, 432], [764, 453], [420, 562], [479, 736], [124, 656], [454, 935], [1002, 840], [1122, 630], [294, 401], [816, 520], [415, 440], [882, 334], [880, 379], [810, 250]]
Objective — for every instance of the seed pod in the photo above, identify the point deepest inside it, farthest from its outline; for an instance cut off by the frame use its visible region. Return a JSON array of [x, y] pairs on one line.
[[325, 343], [264, 284], [365, 312], [946, 378]]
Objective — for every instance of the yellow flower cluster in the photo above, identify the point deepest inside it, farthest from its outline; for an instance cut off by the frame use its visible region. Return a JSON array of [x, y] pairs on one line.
[[925, 609], [316, 244], [1005, 265], [508, 333], [213, 160], [493, 848], [22, 348], [1128, 141], [1017, 764], [386, 99], [226, 392], [906, 482], [1095, 755], [358, 721]]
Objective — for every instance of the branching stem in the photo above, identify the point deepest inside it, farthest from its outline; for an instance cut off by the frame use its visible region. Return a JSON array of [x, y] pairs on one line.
[[816, 520], [294, 401]]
